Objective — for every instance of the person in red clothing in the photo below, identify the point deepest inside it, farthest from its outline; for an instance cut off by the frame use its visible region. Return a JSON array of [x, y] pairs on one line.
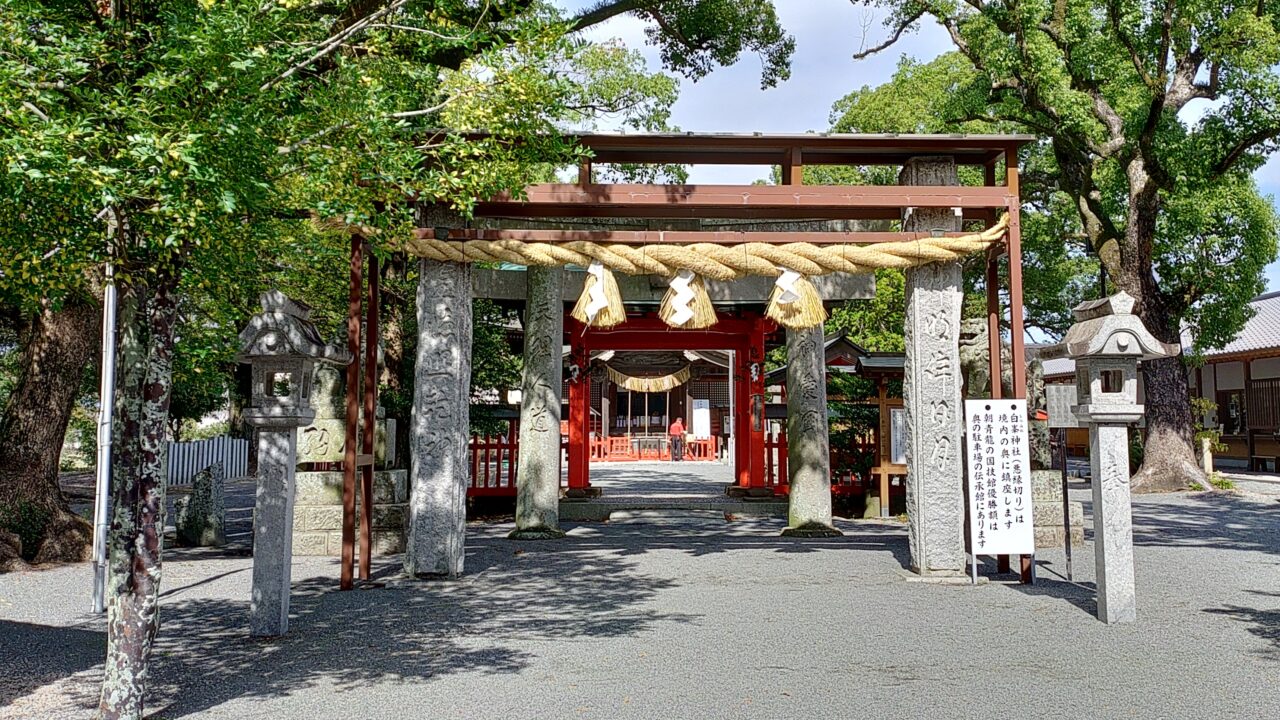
[[676, 431]]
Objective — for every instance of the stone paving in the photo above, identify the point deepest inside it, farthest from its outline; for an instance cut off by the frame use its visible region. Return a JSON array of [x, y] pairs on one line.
[[687, 616]]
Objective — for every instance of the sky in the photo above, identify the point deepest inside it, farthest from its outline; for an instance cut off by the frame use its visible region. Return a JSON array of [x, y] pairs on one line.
[[827, 33]]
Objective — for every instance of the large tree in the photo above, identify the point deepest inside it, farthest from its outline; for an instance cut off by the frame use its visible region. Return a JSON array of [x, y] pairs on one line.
[[192, 128], [304, 53], [1157, 112]]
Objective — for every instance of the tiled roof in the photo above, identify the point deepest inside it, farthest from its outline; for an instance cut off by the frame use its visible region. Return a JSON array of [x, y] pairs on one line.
[[1059, 366], [1261, 332]]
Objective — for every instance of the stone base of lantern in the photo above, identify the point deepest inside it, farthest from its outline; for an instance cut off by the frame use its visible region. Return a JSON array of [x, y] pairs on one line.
[[1046, 501], [317, 513]]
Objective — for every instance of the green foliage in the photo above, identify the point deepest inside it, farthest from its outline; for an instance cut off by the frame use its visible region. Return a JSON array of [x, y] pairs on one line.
[[1200, 409], [9, 363], [1162, 198], [495, 365], [945, 96], [693, 36], [211, 139], [191, 431], [80, 448], [875, 324], [1221, 482], [852, 418]]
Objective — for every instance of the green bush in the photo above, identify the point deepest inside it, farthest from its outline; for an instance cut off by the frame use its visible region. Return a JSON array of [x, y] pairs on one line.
[[80, 448]]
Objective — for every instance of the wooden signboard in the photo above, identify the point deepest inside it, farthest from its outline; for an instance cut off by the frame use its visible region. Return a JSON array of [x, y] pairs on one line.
[[998, 463]]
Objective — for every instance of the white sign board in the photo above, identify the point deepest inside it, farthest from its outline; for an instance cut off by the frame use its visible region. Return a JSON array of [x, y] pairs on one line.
[[898, 436], [701, 419], [999, 469], [1060, 399]]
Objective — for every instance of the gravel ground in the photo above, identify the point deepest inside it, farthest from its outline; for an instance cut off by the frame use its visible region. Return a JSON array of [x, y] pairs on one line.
[[686, 616]]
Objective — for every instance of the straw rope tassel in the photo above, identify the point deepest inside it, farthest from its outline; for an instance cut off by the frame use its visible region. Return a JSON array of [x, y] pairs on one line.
[[687, 304], [600, 304], [795, 302]]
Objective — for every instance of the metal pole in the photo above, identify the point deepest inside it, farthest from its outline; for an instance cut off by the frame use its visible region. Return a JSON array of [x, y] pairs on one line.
[[106, 411], [1066, 499]]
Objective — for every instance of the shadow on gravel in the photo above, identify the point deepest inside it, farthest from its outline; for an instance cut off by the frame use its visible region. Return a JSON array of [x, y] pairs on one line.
[[406, 631], [1216, 520], [1083, 596], [1264, 623], [36, 655], [413, 631]]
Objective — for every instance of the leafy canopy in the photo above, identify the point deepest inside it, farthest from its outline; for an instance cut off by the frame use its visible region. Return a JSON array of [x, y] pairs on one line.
[[1154, 114]]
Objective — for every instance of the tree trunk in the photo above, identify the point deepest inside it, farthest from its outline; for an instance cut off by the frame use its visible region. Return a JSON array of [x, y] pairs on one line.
[[57, 347], [1168, 461], [148, 314]]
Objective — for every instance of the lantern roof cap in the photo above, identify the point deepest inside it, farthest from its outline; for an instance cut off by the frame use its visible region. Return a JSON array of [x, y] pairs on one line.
[[284, 329], [1106, 328]]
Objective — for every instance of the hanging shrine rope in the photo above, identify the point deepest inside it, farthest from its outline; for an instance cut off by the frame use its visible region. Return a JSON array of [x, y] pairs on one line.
[[651, 384], [795, 302]]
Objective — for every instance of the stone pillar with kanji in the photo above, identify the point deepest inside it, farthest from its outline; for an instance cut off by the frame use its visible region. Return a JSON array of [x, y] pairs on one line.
[[538, 472], [931, 388], [808, 437], [440, 431]]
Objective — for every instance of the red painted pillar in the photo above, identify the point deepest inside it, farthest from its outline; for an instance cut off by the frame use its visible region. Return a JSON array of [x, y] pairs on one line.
[[579, 415], [741, 417], [755, 415]]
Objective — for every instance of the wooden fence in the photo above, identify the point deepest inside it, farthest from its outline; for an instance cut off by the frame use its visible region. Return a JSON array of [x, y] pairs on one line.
[[188, 458]]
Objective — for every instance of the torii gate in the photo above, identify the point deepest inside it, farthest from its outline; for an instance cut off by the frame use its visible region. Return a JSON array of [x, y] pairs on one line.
[[644, 228]]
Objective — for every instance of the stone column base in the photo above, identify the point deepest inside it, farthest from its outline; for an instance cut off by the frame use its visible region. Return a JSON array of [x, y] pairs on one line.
[[812, 530], [582, 493], [737, 491], [317, 513]]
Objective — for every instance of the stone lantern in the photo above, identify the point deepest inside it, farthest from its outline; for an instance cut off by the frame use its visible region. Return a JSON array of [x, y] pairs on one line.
[[1107, 342], [281, 346]]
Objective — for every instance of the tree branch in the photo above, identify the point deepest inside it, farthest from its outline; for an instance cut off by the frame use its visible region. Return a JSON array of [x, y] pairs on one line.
[[334, 42], [1113, 14], [606, 10], [1243, 146], [897, 34]]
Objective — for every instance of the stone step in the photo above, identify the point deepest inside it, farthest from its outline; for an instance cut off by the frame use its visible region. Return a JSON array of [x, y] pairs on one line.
[[601, 509]]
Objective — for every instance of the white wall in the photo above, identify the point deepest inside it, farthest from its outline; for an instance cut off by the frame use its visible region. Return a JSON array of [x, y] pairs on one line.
[[1230, 375], [1265, 368]]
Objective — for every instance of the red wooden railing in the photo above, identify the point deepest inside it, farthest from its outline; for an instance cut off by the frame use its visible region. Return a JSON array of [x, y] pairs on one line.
[[493, 464], [628, 449], [842, 482]]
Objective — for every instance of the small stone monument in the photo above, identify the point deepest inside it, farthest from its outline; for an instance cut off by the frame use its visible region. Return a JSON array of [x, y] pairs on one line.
[[281, 346], [1107, 342], [317, 512], [201, 516]]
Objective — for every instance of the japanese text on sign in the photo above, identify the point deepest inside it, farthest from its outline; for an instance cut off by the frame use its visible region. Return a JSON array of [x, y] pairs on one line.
[[999, 470]]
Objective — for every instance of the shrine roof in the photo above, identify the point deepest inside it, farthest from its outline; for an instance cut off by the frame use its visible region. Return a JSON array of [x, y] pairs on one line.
[[776, 148]]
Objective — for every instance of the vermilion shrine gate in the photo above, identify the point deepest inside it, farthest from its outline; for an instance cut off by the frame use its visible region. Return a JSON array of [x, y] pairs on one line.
[[712, 268]]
